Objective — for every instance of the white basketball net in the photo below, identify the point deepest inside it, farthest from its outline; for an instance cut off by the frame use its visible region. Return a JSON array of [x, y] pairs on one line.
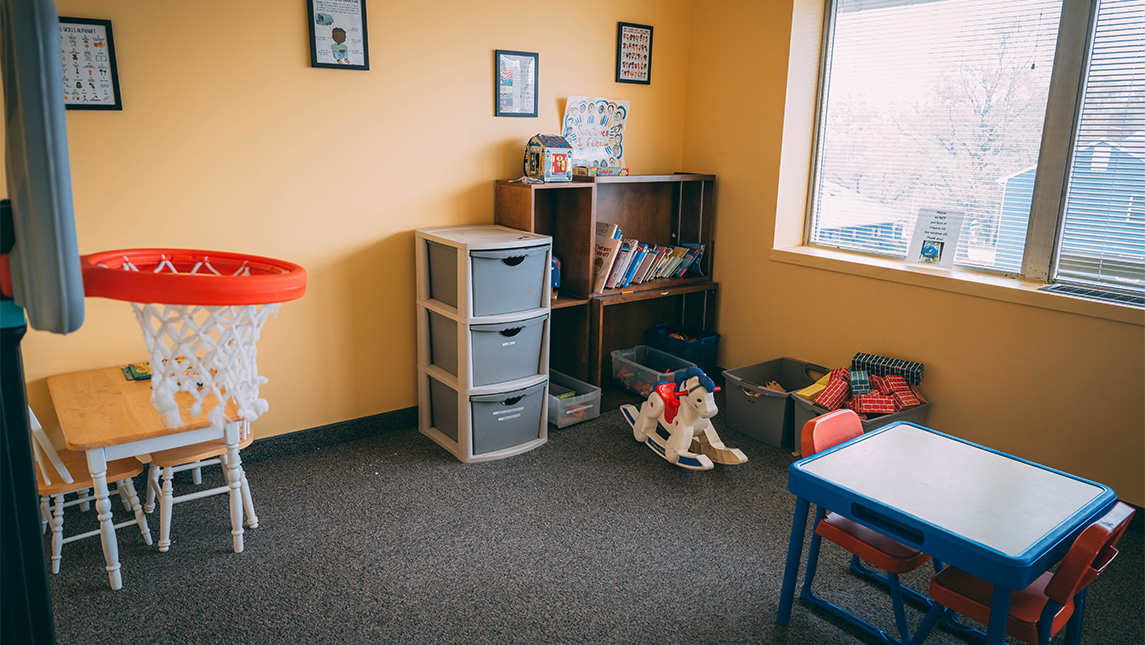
[[203, 350]]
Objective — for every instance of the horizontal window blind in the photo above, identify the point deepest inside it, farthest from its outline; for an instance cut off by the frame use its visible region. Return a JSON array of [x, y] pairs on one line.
[[932, 104], [1102, 240]]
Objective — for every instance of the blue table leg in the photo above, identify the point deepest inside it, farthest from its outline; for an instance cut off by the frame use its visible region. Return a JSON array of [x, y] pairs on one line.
[[794, 554], [999, 616]]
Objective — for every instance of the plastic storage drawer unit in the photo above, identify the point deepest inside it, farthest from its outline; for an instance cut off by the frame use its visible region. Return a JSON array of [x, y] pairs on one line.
[[503, 280], [641, 367], [498, 421], [501, 352], [584, 404], [762, 413]]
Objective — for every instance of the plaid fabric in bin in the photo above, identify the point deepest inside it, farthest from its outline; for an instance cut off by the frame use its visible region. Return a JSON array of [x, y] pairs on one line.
[[874, 404], [860, 383], [838, 390], [882, 366]]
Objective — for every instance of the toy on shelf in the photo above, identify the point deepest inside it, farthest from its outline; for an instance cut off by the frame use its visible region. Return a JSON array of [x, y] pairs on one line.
[[683, 408], [548, 157]]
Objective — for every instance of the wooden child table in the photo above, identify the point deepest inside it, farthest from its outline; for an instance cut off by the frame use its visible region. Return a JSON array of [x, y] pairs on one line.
[[109, 418]]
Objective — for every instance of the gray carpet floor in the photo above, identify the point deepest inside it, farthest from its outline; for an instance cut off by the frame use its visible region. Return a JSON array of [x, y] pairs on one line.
[[371, 533]]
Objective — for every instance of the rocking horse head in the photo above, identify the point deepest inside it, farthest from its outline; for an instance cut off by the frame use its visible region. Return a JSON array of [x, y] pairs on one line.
[[696, 388]]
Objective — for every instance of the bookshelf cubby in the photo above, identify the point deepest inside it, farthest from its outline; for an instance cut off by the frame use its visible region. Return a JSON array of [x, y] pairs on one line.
[[588, 325]]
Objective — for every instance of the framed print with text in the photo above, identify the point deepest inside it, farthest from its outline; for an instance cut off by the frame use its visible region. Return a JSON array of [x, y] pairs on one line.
[[87, 52], [515, 83], [633, 53], [338, 34]]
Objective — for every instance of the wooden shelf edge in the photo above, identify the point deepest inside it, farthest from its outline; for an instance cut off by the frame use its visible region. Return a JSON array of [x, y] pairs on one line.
[[637, 179], [666, 288], [569, 301]]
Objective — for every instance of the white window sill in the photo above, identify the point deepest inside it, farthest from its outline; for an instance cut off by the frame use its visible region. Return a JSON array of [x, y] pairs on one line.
[[963, 281]]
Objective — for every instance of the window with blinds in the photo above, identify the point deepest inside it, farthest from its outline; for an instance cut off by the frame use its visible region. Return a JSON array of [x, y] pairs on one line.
[[932, 104], [941, 104], [1103, 225]]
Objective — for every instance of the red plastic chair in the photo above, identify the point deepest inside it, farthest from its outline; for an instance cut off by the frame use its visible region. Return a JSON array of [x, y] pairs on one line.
[[824, 432], [1051, 602]]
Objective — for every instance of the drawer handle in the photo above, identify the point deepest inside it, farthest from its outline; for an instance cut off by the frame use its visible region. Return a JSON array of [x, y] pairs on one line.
[[514, 261], [512, 401], [509, 333]]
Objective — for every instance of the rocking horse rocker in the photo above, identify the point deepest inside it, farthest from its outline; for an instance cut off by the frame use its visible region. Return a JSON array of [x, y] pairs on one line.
[[683, 408]]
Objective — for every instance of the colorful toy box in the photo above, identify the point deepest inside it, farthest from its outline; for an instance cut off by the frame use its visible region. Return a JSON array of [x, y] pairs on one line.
[[608, 171], [548, 157]]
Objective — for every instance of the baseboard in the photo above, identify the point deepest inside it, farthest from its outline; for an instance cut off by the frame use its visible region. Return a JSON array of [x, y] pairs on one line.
[[329, 435]]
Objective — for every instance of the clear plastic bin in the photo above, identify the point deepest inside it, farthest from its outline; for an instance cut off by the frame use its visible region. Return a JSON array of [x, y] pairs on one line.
[[641, 367], [583, 405]]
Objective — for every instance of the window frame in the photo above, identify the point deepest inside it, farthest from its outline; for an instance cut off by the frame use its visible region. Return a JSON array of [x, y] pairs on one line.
[[1066, 92]]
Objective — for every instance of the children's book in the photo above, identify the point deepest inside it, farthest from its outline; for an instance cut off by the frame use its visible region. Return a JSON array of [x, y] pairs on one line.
[[607, 249], [608, 229], [621, 264], [639, 250], [694, 264]]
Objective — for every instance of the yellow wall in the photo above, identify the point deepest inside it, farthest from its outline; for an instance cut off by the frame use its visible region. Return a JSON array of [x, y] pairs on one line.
[[229, 140], [1058, 388]]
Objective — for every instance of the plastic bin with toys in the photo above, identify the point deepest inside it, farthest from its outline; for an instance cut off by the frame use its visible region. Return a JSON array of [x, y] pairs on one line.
[[641, 367], [571, 400], [689, 343], [759, 398], [879, 389]]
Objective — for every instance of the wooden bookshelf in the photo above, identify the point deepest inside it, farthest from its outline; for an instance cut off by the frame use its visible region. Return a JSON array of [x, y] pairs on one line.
[[657, 209]]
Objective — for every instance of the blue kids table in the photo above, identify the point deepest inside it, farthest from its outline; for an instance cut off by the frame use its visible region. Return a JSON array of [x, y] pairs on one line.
[[1003, 519]]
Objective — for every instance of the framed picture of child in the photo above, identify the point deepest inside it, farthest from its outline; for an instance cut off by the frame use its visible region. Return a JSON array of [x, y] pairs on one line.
[[338, 34], [633, 53]]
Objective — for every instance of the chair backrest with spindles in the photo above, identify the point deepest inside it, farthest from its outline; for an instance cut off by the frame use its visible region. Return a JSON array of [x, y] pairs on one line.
[[43, 449]]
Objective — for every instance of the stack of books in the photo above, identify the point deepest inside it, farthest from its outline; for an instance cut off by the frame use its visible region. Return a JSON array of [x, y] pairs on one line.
[[621, 262]]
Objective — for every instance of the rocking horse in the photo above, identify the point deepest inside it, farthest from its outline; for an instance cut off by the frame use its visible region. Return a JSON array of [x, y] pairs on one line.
[[683, 408]]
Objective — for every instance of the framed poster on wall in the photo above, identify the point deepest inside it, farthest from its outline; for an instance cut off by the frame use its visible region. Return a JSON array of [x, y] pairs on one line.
[[633, 53], [87, 51], [338, 34], [515, 83]]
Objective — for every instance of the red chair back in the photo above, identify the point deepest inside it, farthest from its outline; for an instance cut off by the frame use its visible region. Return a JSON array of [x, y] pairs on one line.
[[831, 429], [1089, 555]]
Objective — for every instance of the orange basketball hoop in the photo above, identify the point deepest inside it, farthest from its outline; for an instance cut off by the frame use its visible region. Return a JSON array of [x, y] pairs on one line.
[[201, 313]]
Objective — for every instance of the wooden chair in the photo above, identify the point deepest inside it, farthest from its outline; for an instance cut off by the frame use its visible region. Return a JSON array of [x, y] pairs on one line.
[[61, 472], [821, 433], [164, 465], [1039, 611]]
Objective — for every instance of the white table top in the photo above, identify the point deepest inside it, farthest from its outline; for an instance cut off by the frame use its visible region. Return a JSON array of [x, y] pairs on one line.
[[990, 498]]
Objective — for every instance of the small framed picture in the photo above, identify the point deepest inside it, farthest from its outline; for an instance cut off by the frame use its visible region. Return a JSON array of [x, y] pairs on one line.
[[338, 34], [87, 52], [633, 53], [515, 83]]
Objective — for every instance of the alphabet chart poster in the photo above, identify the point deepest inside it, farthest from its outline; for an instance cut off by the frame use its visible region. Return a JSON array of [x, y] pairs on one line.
[[594, 127], [87, 54]]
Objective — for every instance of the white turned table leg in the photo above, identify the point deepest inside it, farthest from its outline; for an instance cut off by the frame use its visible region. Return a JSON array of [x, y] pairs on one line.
[[97, 465], [45, 514], [166, 501], [84, 506], [233, 471], [140, 518]]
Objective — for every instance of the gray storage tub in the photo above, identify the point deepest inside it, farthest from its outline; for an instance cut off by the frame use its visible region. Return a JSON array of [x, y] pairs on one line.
[[504, 280], [500, 351], [765, 414], [498, 421]]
